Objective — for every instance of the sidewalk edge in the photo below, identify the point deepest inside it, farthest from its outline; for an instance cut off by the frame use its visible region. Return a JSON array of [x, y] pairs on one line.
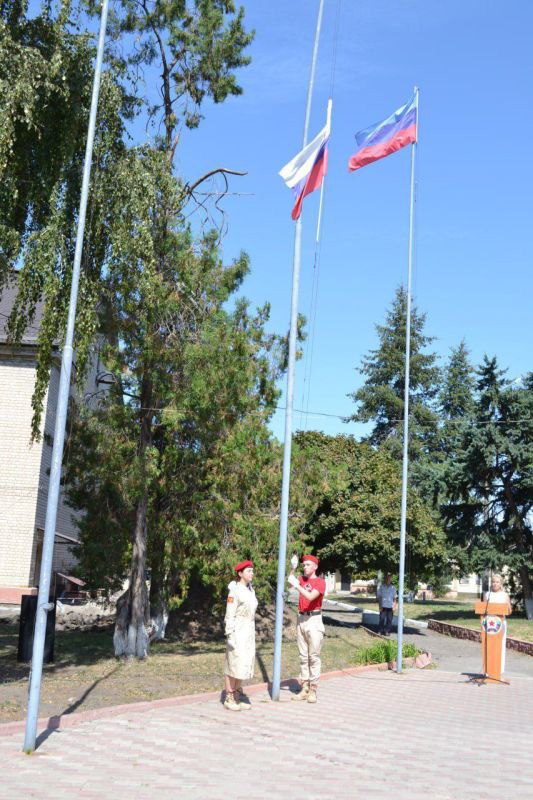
[[63, 721]]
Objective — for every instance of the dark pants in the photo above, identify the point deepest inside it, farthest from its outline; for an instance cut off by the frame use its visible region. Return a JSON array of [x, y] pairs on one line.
[[385, 620]]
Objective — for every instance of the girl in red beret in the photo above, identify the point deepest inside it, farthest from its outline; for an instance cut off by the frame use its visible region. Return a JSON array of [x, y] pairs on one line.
[[240, 634]]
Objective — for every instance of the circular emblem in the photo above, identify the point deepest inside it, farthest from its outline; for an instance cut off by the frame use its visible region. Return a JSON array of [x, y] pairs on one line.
[[492, 624]]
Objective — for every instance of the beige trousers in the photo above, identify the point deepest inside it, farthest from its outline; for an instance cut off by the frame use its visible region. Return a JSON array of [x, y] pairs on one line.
[[309, 636]]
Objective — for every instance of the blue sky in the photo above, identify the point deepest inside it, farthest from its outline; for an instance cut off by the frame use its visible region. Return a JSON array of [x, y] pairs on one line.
[[474, 246], [472, 273]]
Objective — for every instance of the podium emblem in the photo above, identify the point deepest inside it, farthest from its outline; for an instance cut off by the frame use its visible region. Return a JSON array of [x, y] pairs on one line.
[[492, 625]]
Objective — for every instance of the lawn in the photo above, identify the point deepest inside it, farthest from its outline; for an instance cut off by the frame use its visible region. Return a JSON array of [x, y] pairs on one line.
[[86, 675], [457, 613]]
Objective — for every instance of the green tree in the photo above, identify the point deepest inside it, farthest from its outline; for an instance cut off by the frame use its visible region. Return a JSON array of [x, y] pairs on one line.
[[381, 398], [489, 479], [147, 291], [456, 396], [455, 403], [46, 73], [210, 453], [196, 47], [357, 528]]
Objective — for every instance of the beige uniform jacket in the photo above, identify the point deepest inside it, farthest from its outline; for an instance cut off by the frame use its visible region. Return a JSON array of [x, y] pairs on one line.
[[240, 630]]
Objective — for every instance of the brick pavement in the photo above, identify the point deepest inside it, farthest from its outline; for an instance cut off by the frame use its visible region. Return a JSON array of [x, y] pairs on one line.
[[420, 735]]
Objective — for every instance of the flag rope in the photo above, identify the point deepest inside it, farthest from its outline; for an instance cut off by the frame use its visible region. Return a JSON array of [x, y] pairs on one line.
[[313, 306]]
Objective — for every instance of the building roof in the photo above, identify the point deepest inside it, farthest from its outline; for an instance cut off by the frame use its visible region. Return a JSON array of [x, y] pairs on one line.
[[7, 301]]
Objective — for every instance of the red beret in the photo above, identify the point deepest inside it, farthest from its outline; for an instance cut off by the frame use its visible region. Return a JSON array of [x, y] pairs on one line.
[[243, 565], [310, 558]]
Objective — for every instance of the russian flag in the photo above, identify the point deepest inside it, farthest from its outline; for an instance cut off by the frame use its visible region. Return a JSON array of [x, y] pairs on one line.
[[306, 171], [386, 137]]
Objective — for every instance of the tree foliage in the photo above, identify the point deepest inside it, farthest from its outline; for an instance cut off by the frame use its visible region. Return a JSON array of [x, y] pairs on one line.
[[46, 75], [151, 297], [381, 398], [356, 528], [489, 478]]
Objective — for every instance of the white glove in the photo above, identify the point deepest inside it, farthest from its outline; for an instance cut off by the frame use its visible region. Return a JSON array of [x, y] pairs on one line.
[[231, 642], [294, 561], [293, 580]]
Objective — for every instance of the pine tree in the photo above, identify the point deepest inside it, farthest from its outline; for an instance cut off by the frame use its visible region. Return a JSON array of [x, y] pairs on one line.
[[455, 404], [381, 398], [489, 479], [456, 394]]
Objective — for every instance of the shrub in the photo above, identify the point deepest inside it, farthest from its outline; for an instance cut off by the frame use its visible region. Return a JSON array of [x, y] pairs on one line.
[[383, 652]]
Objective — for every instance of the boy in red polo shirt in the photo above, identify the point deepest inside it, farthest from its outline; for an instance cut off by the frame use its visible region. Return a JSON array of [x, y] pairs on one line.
[[310, 627]]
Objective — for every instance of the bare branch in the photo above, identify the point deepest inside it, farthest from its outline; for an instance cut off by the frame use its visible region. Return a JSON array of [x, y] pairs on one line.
[[189, 188]]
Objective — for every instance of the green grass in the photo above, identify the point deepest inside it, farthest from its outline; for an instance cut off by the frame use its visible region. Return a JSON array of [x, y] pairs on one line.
[[384, 652], [86, 675], [457, 613]]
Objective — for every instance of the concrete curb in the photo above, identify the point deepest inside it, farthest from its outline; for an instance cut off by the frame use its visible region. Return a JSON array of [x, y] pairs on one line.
[[461, 632], [371, 617], [63, 721], [342, 606]]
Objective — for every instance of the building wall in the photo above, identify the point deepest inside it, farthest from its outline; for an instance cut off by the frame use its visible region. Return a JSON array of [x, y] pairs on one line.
[[466, 585], [63, 558], [24, 475], [20, 471]]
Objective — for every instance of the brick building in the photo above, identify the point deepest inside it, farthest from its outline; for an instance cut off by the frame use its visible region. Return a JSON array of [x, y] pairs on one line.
[[24, 465]]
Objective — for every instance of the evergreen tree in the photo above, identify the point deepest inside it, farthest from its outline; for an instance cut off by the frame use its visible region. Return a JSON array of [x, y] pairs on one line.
[[381, 398], [456, 394], [455, 403], [489, 479]]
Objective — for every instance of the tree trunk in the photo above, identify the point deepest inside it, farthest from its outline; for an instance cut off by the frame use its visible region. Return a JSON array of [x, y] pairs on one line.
[[131, 636]]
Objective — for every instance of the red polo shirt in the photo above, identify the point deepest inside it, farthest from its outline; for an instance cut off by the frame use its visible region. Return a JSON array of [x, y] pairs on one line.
[[309, 584]]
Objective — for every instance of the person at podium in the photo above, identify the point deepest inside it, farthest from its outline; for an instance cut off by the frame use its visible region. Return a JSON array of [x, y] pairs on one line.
[[497, 594]]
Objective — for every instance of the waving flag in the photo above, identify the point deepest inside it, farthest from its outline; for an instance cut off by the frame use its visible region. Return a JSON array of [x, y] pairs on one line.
[[306, 171], [386, 137]]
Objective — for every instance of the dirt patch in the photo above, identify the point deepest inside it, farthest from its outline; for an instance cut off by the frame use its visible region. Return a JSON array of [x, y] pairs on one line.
[[203, 625], [86, 675], [88, 616]]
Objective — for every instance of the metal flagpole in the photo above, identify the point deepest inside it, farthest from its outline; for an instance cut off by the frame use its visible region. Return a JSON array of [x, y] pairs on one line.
[[405, 459], [285, 483], [43, 604]]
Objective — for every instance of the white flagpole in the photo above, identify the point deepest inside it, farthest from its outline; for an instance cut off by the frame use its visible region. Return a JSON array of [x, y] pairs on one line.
[[405, 460], [285, 484]]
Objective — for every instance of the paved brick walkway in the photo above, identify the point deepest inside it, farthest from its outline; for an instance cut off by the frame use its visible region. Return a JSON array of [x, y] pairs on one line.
[[411, 737]]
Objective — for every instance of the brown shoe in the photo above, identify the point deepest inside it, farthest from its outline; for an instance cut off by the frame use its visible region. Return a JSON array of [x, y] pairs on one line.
[[311, 697], [231, 703], [303, 693]]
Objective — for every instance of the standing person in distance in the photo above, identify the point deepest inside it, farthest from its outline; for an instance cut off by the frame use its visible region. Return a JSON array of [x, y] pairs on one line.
[[387, 600], [240, 632], [310, 627]]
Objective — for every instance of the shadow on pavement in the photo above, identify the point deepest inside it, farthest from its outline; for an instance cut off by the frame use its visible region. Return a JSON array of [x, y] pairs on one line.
[[54, 722]]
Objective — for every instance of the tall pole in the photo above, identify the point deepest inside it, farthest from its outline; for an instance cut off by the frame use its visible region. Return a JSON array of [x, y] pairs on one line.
[[285, 483], [405, 459], [43, 604]]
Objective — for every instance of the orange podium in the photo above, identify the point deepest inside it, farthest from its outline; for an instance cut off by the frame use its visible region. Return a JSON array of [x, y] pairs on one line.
[[493, 636]]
